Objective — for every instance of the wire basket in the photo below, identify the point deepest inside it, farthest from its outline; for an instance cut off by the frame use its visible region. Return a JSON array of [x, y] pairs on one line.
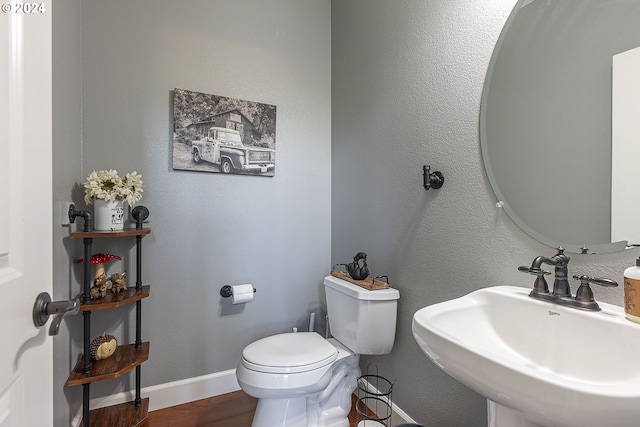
[[373, 406]]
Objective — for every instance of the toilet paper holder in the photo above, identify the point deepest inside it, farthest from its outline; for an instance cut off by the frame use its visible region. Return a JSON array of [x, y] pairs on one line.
[[227, 291]]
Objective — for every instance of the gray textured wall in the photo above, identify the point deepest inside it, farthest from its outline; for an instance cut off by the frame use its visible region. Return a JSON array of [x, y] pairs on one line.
[[207, 229], [407, 81]]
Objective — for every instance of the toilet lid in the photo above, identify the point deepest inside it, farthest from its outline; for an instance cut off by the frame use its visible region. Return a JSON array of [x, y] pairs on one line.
[[289, 353]]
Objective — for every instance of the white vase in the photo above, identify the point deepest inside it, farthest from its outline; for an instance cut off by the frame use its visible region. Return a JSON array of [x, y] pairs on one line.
[[108, 216]]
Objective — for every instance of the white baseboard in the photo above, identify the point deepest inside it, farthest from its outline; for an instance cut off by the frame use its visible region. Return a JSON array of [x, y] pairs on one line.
[[171, 394], [178, 392]]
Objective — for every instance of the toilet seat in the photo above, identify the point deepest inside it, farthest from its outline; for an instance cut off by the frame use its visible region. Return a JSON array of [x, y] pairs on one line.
[[289, 353]]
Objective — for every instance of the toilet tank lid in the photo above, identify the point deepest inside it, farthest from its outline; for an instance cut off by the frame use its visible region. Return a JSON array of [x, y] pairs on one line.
[[360, 293]]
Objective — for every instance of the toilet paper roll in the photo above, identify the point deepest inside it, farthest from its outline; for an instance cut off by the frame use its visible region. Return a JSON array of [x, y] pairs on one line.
[[241, 293]]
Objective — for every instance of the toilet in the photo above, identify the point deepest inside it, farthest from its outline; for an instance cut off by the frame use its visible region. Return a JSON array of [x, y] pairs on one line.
[[304, 380]]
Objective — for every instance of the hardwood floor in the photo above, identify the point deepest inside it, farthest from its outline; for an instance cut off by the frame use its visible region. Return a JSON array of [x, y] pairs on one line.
[[227, 410]]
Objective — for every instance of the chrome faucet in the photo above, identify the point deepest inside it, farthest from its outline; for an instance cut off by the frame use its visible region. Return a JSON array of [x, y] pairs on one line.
[[561, 293]]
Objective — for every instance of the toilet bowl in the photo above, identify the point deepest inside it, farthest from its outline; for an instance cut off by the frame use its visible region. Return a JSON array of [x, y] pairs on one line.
[[304, 380], [300, 380]]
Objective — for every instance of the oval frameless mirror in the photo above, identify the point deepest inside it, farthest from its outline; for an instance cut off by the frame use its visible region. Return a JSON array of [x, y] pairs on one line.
[[546, 117]]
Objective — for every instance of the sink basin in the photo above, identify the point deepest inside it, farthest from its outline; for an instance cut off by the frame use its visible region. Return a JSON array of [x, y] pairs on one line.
[[537, 362]]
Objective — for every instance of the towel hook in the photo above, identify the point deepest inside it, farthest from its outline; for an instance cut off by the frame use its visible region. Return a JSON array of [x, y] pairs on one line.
[[431, 179]]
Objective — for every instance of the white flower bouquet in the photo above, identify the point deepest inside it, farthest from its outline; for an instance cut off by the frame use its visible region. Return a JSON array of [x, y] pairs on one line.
[[107, 185]]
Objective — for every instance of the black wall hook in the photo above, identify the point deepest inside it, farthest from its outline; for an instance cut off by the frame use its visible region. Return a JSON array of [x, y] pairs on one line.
[[431, 179]]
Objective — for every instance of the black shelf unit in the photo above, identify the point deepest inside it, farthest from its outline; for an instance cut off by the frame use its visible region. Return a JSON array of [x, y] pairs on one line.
[[127, 357]]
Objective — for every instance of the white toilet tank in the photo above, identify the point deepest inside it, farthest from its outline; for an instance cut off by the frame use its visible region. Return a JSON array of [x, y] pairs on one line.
[[364, 321]]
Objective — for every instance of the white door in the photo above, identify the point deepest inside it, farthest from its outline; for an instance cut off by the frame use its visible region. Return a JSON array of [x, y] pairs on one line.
[[26, 391]]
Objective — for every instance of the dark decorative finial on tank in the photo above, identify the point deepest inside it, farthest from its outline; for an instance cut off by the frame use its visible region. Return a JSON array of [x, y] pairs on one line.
[[358, 269]]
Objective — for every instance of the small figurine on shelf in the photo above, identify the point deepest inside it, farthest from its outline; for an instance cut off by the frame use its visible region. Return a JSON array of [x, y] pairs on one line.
[[98, 291], [117, 282], [99, 288], [103, 346], [100, 280]]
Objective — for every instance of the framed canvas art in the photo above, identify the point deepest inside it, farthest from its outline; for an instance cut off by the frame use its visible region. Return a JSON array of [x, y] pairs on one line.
[[213, 133]]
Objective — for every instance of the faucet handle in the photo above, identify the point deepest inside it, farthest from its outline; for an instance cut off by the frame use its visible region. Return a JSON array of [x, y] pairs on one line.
[[536, 271], [540, 286], [586, 280], [584, 295]]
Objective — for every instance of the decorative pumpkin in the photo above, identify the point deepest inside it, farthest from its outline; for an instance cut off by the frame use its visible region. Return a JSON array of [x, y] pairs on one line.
[[103, 346]]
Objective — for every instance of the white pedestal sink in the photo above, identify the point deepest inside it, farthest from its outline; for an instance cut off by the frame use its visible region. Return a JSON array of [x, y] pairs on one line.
[[538, 363]]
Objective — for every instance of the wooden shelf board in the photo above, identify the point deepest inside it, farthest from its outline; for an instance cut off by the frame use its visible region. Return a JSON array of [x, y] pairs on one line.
[[124, 414], [113, 300], [125, 358], [101, 234]]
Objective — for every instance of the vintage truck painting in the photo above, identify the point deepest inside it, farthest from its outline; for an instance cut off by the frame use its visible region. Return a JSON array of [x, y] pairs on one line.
[[224, 147]]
